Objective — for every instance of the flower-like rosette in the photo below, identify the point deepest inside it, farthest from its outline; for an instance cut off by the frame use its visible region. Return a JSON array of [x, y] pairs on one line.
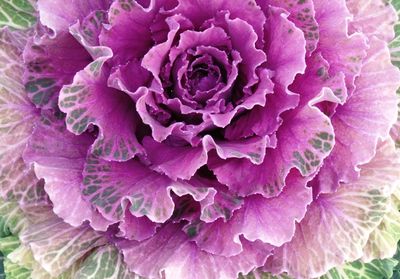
[[214, 136]]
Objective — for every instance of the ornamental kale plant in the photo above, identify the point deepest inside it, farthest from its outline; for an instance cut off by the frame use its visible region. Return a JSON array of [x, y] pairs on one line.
[[199, 139]]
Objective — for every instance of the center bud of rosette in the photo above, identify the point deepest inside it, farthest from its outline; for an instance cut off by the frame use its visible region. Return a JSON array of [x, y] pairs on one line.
[[203, 78], [197, 76]]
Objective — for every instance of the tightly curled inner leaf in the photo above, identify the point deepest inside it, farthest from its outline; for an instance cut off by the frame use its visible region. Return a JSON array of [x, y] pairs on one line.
[[202, 139]]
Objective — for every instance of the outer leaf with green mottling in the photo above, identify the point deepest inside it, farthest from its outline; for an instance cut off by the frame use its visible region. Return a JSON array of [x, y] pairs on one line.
[[337, 226], [8, 244], [12, 222], [58, 157], [23, 257], [18, 14], [382, 241], [395, 56], [302, 13], [116, 119], [114, 186], [377, 269], [15, 271], [395, 44], [359, 127], [59, 16], [51, 63], [382, 269], [105, 263], [12, 218], [57, 246], [17, 181], [372, 18]]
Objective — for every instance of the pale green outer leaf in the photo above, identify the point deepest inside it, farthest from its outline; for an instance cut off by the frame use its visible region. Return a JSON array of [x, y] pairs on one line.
[[57, 246], [18, 14], [395, 54], [382, 242], [12, 218], [22, 256], [8, 244], [263, 275], [104, 263], [20, 262], [15, 271], [377, 269], [395, 44], [70, 273]]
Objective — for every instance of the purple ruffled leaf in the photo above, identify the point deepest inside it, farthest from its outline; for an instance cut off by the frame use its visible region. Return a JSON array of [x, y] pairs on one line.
[[285, 47], [128, 34], [286, 62], [88, 100], [269, 220], [182, 162], [59, 15], [170, 253], [199, 12], [302, 14], [58, 157], [50, 64], [337, 225], [112, 187], [316, 78], [303, 142], [358, 127], [343, 52], [136, 228]]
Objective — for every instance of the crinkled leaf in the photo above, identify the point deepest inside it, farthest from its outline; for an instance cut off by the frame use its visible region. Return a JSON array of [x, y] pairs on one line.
[[272, 220], [302, 14], [114, 186], [382, 269], [333, 17], [258, 274]]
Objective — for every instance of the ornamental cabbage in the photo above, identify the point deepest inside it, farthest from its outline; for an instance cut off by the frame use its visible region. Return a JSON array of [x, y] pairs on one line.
[[200, 139]]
